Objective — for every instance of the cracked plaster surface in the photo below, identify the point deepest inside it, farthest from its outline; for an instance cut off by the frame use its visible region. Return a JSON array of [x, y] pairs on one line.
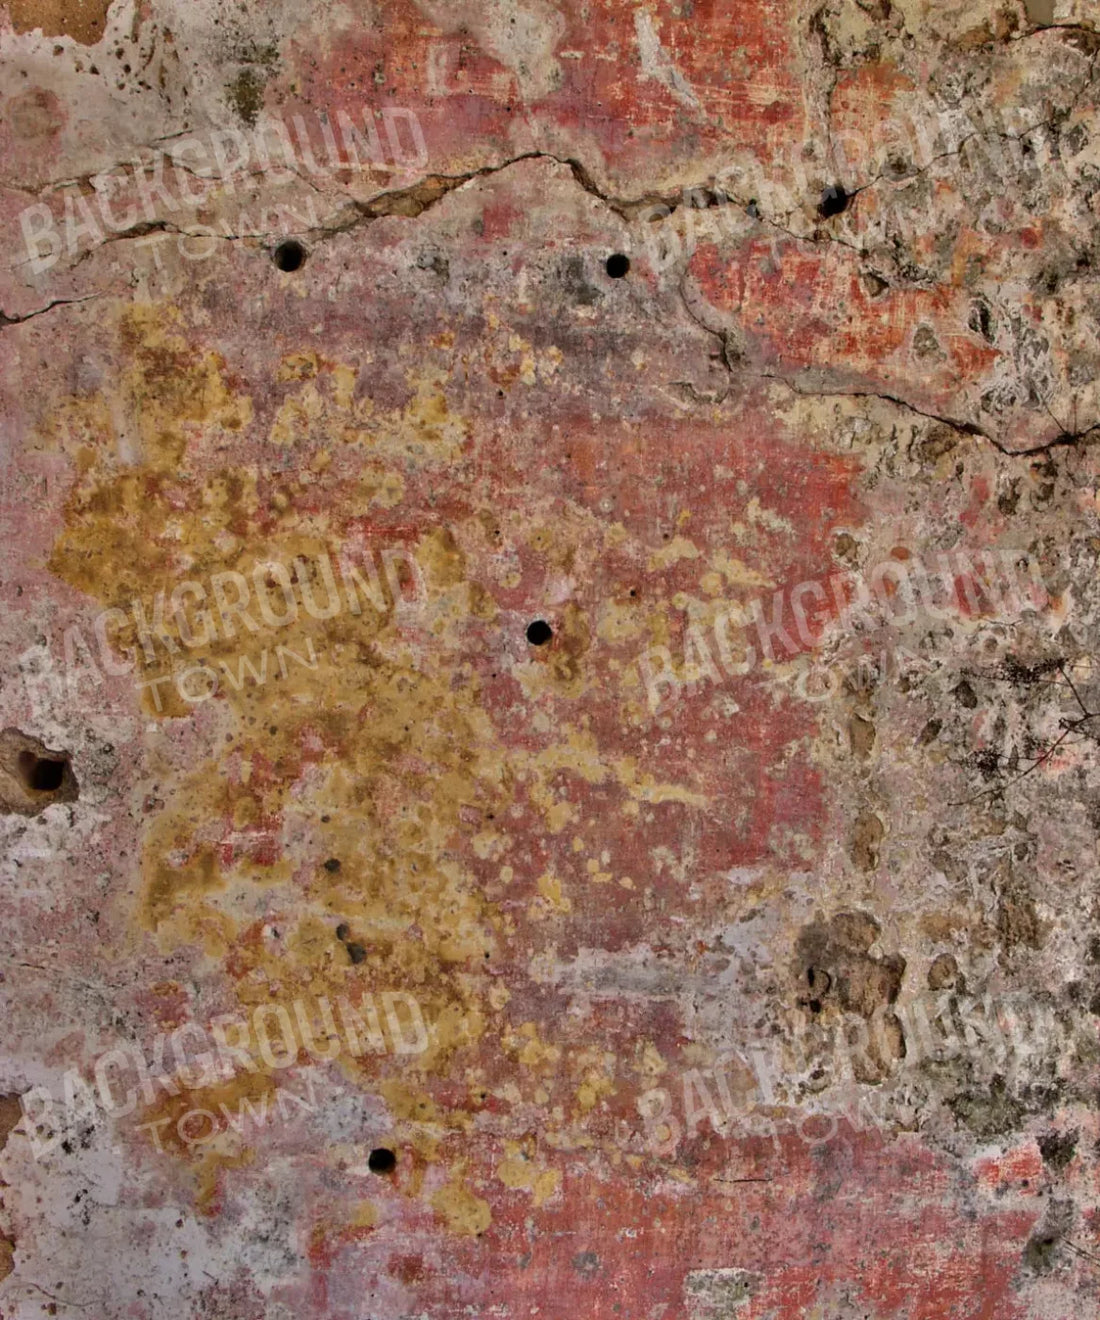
[[606, 866]]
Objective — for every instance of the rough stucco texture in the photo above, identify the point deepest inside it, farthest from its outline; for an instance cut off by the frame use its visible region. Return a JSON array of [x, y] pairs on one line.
[[734, 952]]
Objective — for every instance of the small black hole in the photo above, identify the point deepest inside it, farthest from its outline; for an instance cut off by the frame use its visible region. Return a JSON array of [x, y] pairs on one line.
[[382, 1160], [332, 865], [539, 632], [356, 953], [834, 200], [618, 263], [48, 776], [41, 774], [815, 1005], [289, 255], [343, 931]]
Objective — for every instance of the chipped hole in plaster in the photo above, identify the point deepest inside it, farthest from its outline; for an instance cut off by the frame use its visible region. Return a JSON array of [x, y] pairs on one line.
[[41, 774], [290, 255], [539, 632], [834, 200], [332, 865], [32, 775], [617, 265], [381, 1160]]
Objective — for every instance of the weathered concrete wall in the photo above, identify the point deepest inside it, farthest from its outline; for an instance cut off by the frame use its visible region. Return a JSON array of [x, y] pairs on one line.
[[550, 759]]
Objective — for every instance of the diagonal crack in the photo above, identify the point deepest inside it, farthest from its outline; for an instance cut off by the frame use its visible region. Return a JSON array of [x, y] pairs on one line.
[[1082, 29], [1065, 439], [1053, 121], [6, 320], [424, 194], [732, 361]]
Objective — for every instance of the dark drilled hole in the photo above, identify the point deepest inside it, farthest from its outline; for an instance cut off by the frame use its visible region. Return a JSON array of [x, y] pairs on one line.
[[618, 263], [834, 200], [382, 1160], [40, 773], [539, 632], [289, 255], [332, 865]]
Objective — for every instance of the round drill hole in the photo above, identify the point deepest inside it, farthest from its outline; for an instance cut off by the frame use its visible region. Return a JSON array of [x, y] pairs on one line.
[[382, 1160], [618, 263], [40, 773], [539, 632], [289, 255], [834, 200]]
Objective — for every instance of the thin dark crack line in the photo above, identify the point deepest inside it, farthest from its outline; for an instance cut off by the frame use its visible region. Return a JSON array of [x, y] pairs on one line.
[[723, 342], [1062, 440], [6, 320], [1065, 439], [1068, 727], [1095, 1260], [1053, 121], [1053, 27], [957, 150]]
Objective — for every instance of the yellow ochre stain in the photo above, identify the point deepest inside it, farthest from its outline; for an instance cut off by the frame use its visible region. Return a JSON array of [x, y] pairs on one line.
[[377, 757]]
